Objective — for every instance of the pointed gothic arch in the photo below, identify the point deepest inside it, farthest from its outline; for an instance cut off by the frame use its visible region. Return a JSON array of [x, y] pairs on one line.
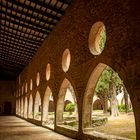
[[48, 104], [21, 107], [88, 115], [88, 97], [37, 106], [25, 107], [30, 107], [61, 101]]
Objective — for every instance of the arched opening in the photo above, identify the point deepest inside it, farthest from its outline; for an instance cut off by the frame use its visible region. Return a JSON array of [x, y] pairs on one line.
[[31, 84], [51, 106], [48, 109], [108, 118], [17, 106], [30, 107], [7, 108], [97, 105], [67, 113], [21, 107], [26, 88], [22, 90], [25, 107], [37, 107]]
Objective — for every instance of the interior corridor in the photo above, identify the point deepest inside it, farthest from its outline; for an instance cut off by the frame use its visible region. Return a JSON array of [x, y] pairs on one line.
[[13, 128]]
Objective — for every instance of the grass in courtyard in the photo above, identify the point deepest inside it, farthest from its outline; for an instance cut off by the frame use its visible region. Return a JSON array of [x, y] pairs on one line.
[[123, 126]]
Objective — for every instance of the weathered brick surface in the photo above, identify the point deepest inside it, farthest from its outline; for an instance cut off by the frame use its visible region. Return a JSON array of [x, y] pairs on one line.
[[121, 51]]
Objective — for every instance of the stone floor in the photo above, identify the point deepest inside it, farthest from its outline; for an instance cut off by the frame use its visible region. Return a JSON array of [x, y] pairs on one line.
[[13, 128]]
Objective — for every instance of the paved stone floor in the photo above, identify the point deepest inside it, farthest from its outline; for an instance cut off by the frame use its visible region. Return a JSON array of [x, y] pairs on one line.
[[13, 128]]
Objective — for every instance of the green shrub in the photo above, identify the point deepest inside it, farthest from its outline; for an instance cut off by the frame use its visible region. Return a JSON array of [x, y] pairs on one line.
[[130, 110], [70, 107], [50, 113], [121, 108]]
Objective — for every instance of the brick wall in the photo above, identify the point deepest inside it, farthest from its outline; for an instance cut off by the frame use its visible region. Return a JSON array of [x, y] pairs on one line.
[[121, 51]]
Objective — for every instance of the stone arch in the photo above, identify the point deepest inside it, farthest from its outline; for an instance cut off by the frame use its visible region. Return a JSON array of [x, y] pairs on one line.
[[61, 97], [17, 106], [30, 107], [89, 93], [21, 90], [37, 106], [87, 101], [51, 106], [47, 95], [21, 107], [31, 84], [97, 104], [26, 87], [25, 107]]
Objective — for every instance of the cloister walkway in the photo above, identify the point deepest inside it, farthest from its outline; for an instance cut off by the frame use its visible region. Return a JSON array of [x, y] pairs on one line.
[[13, 128]]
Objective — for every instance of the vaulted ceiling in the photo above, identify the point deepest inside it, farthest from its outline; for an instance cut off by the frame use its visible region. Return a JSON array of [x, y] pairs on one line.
[[24, 25]]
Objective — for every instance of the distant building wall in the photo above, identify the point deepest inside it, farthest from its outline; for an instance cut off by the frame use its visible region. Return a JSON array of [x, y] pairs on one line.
[[7, 99]]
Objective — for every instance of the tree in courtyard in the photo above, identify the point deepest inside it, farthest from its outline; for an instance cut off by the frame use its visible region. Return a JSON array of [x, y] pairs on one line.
[[126, 97], [102, 38], [106, 89], [70, 107]]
